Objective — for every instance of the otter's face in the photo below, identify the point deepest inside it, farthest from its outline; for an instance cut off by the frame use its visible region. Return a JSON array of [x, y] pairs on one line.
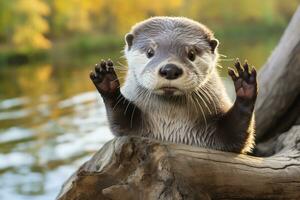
[[170, 62]]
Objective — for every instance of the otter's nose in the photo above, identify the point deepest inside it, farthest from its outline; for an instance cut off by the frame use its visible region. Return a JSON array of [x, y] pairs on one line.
[[170, 71]]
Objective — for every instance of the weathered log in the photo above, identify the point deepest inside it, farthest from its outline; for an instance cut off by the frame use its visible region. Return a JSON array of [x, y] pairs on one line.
[[279, 85], [140, 168]]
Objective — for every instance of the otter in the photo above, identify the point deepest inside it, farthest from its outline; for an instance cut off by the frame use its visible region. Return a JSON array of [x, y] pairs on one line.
[[172, 91]]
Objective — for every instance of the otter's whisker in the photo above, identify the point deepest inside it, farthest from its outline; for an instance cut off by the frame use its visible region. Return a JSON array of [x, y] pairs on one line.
[[207, 95], [115, 80], [222, 55], [227, 59], [122, 65], [120, 97], [203, 115], [126, 107], [132, 114], [199, 95]]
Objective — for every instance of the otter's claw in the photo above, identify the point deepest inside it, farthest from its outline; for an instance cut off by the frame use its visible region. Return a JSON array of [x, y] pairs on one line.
[[244, 81], [105, 78]]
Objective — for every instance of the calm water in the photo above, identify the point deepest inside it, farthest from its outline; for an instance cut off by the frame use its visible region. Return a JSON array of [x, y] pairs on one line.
[[52, 120]]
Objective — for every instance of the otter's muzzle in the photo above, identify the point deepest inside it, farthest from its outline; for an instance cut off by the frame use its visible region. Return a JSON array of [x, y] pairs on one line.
[[170, 72]]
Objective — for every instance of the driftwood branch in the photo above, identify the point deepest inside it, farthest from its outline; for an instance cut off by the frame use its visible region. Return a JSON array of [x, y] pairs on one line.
[[141, 168]]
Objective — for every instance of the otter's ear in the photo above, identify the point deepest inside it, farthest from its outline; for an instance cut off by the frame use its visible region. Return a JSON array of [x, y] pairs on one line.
[[129, 38], [213, 44]]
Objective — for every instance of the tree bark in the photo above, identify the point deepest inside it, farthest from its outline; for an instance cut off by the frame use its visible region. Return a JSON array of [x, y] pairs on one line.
[[141, 168], [279, 84]]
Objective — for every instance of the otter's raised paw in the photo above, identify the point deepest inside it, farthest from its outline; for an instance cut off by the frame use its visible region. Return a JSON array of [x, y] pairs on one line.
[[244, 82], [105, 78]]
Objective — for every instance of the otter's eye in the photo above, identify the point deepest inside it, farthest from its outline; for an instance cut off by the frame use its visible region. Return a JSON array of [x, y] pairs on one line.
[[191, 55], [150, 53]]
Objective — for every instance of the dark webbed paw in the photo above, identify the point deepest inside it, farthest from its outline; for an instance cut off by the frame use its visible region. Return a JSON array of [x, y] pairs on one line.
[[105, 78], [244, 82]]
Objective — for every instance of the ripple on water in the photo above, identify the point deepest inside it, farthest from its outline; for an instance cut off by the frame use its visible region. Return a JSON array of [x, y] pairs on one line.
[[13, 102], [15, 133]]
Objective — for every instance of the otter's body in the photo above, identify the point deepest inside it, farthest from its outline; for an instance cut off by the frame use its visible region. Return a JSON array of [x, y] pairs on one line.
[[182, 120], [173, 92]]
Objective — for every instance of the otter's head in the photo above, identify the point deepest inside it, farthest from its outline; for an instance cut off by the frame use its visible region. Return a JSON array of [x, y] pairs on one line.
[[169, 56]]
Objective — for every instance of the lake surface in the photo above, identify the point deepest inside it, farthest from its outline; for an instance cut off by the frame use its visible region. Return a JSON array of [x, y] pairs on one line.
[[52, 119]]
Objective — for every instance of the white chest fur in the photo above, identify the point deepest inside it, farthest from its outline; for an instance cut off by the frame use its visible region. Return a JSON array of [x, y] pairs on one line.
[[176, 124]]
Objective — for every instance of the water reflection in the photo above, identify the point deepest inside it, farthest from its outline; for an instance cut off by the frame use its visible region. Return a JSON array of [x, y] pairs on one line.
[[47, 142], [52, 120]]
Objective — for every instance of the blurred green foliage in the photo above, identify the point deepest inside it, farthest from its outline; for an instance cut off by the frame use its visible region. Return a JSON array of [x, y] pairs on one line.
[[33, 27]]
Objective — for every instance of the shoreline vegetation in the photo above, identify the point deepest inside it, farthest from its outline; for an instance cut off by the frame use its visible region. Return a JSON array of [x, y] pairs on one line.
[[88, 44], [41, 30]]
